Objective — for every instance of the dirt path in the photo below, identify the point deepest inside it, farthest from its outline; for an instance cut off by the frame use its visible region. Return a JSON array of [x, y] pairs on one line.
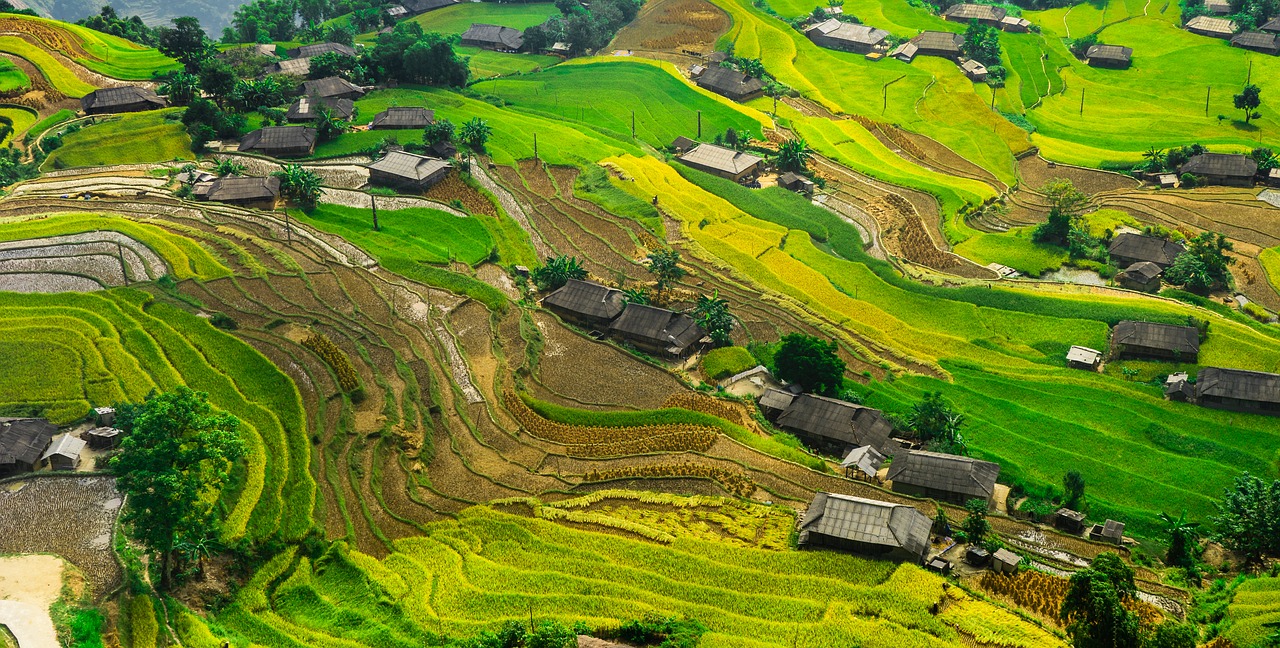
[[28, 586]]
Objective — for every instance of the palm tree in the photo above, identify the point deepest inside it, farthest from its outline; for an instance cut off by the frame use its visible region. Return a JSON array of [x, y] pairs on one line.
[[793, 155], [299, 184], [196, 550], [475, 133], [328, 126], [1155, 159], [1182, 536], [665, 266], [181, 88], [712, 314], [228, 167], [635, 296]]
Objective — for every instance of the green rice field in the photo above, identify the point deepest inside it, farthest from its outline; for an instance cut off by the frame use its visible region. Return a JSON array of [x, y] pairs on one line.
[[21, 119], [1256, 602], [103, 53], [485, 63], [58, 75], [458, 18], [424, 235], [12, 77], [135, 138]]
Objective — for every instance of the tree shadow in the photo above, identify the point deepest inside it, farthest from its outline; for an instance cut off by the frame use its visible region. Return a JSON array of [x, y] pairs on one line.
[[1239, 125]]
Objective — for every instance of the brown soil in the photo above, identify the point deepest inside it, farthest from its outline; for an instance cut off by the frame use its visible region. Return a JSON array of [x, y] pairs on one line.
[[453, 187], [674, 26]]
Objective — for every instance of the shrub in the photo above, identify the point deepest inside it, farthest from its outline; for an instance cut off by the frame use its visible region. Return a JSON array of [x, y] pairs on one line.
[[333, 356], [1256, 312], [223, 321], [726, 361]]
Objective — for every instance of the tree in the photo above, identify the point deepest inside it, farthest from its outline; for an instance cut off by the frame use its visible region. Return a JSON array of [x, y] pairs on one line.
[[935, 422], [666, 270], [1248, 519], [299, 184], [752, 67], [1182, 539], [1248, 100], [218, 79], [809, 362], [1066, 207], [635, 296], [331, 64], [1172, 634], [185, 41], [557, 271], [251, 94], [181, 88], [174, 461], [441, 130], [228, 166], [1080, 46], [1073, 486], [712, 315], [1154, 159], [793, 155], [976, 526], [1265, 157], [1211, 248], [982, 43], [1189, 272], [327, 124], [1093, 606], [475, 133]]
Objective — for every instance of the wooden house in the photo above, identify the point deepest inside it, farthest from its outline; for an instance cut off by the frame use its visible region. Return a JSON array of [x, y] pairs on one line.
[[121, 100], [403, 117], [1004, 561], [316, 49], [104, 415], [1132, 339], [1069, 520], [682, 145], [1110, 531], [333, 87], [299, 67], [935, 43], [1257, 41], [63, 453], [863, 463], [493, 37], [835, 427], [104, 438], [728, 82], [1109, 56], [249, 192], [280, 141], [1238, 390], [423, 6], [1080, 357], [1229, 169], [989, 15], [1143, 276], [848, 37], [796, 182], [585, 303], [306, 109], [409, 170], [724, 162], [865, 526], [1127, 249], [974, 70], [657, 330], [22, 444], [1223, 28], [944, 477], [1272, 26]]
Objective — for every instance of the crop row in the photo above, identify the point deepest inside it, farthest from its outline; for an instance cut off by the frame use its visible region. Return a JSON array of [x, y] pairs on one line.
[[736, 482], [1043, 594], [601, 441], [336, 358]]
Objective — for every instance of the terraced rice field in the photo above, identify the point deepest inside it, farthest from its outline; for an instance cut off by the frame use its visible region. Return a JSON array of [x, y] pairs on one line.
[[19, 119], [61, 78], [458, 18], [137, 138], [1253, 611], [102, 53], [12, 78]]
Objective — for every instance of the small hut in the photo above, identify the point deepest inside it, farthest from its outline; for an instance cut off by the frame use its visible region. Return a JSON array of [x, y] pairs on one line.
[[103, 438], [863, 463], [104, 415], [1005, 562], [1079, 357], [64, 453], [1069, 520], [1109, 531]]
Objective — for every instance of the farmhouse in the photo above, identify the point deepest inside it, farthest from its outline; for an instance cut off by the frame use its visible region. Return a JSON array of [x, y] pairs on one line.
[[1222, 168], [1239, 390], [1215, 27], [309, 51], [64, 453], [299, 67], [1109, 56], [945, 477], [833, 426], [280, 141], [332, 88], [493, 37], [1069, 520], [905, 52], [1110, 531], [1004, 561], [121, 100], [1217, 7], [585, 303], [724, 162], [1015, 24], [795, 182], [1132, 339], [423, 6], [862, 462], [731, 83], [1128, 248], [849, 37], [1079, 357], [403, 117], [985, 14], [936, 43], [404, 169], [976, 71], [256, 193], [1143, 276], [1272, 26], [865, 526], [22, 443], [307, 109], [396, 12], [682, 144], [657, 330], [774, 401], [103, 438], [1258, 41]]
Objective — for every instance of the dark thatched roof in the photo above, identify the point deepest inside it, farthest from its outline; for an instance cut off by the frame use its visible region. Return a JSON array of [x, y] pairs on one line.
[[720, 158], [420, 6], [297, 67], [107, 99], [1224, 27], [849, 32], [1238, 384], [330, 87], [945, 472], [1221, 164], [867, 521], [307, 108], [1113, 530], [836, 419], [308, 51], [1161, 252], [409, 166], [1153, 335], [1116, 53], [234, 188], [778, 399], [494, 36], [1257, 40], [729, 82], [936, 41], [1272, 25], [24, 440], [657, 326], [979, 12], [277, 138], [587, 299], [403, 117], [1143, 271]]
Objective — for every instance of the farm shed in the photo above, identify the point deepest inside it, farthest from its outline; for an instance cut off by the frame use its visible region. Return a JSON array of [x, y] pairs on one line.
[[1222, 168], [1273, 177], [404, 169], [985, 14], [104, 415], [333, 87], [443, 150], [64, 453], [1143, 275], [682, 144], [936, 43], [103, 438], [731, 83], [1004, 561], [905, 52], [796, 182], [1272, 26], [585, 303], [657, 330], [1079, 357], [1217, 7], [1258, 41], [1109, 56], [280, 141], [22, 443], [862, 462], [849, 37], [1213, 27], [724, 162], [945, 477], [307, 109], [1178, 388], [300, 67], [834, 426], [493, 37], [1132, 339], [1128, 248], [423, 6], [696, 70], [865, 526], [774, 401], [1069, 520], [309, 51], [257, 193], [976, 71], [1239, 390], [1015, 24], [403, 117], [121, 100], [1110, 531], [977, 556], [396, 12], [1167, 180]]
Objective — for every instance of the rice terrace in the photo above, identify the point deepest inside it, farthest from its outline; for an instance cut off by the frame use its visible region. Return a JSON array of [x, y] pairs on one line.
[[640, 323]]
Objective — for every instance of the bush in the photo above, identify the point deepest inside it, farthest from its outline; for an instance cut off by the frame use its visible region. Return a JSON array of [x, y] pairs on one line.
[[726, 361], [1256, 312], [223, 321]]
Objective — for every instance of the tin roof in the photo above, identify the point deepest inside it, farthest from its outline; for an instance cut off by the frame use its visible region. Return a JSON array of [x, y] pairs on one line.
[[1117, 53], [108, 98], [308, 107], [1154, 335], [1083, 355], [1221, 164], [865, 458], [1253, 386], [24, 439], [410, 166], [1143, 271], [945, 472], [836, 419], [333, 86], [64, 446], [404, 117], [1223, 26], [851, 32], [721, 158], [867, 521], [967, 12]]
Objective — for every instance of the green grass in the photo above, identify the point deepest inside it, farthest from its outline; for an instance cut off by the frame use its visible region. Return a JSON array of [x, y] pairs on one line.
[[1256, 602], [1270, 260], [485, 63], [58, 75], [12, 77], [595, 184], [21, 117], [1014, 249], [425, 235], [136, 138], [458, 18], [51, 121], [726, 361], [103, 53]]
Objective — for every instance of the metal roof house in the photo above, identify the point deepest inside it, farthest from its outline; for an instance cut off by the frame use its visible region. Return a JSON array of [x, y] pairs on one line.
[[976, 71], [731, 83], [493, 37], [985, 14], [1080, 357], [280, 141], [299, 67], [1217, 7], [1143, 276], [849, 37], [104, 415], [862, 463], [22, 443], [1131, 339], [657, 330], [1015, 24], [682, 144], [1004, 561], [1109, 56], [774, 401], [936, 43], [1272, 26], [1213, 27], [1258, 41], [403, 117], [257, 193], [64, 453], [121, 100], [724, 162], [945, 477], [333, 87], [308, 51], [865, 526], [1069, 520], [796, 182], [1239, 390], [905, 52], [1128, 248], [585, 303], [103, 438], [307, 109], [1222, 168], [404, 169], [833, 426]]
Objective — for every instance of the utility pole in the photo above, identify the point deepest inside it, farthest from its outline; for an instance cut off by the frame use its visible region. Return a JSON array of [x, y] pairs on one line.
[[993, 98], [124, 267], [373, 202], [535, 147], [633, 124], [1207, 90], [1249, 77], [884, 94], [1081, 101], [699, 124]]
